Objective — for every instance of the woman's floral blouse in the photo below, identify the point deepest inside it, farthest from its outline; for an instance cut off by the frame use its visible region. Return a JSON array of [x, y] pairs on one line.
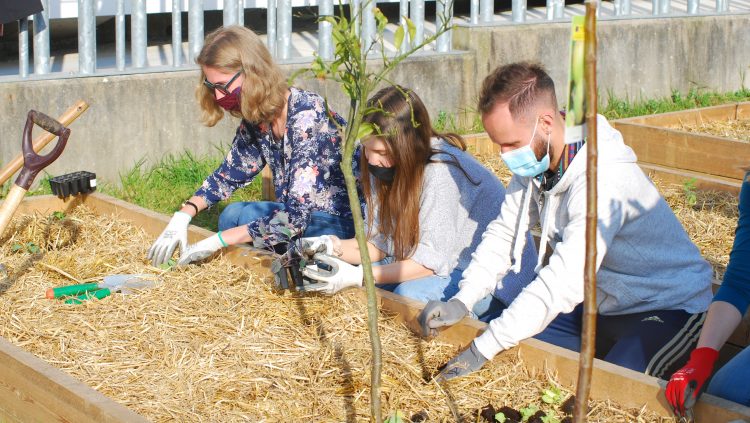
[[305, 167]]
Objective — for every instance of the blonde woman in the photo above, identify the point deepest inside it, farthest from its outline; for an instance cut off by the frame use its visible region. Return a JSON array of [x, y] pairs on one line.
[[428, 203], [283, 127]]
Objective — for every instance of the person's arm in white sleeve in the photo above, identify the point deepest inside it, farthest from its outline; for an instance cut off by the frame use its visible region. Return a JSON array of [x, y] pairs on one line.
[[491, 260], [558, 287]]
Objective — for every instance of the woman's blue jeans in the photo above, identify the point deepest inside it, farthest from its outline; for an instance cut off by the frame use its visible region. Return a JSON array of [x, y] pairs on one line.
[[321, 223], [443, 288]]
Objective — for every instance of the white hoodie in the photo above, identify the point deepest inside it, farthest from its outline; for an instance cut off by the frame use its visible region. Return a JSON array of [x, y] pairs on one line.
[[645, 260]]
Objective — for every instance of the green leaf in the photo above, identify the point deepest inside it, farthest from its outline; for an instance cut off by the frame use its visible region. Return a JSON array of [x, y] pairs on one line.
[[16, 247], [32, 248], [412, 29], [381, 19], [552, 395], [168, 265], [500, 417], [398, 37], [365, 129], [58, 215], [318, 68], [528, 412]]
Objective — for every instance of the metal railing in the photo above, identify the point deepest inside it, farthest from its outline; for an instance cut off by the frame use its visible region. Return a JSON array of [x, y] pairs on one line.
[[279, 27]]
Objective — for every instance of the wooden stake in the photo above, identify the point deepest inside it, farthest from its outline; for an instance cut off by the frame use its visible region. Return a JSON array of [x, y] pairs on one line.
[[588, 335]]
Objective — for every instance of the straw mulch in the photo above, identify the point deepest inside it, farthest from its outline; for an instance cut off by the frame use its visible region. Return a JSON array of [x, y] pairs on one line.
[[737, 129], [709, 217], [215, 343]]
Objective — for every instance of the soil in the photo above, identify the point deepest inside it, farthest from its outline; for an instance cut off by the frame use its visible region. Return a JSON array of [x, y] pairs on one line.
[[511, 414], [568, 405]]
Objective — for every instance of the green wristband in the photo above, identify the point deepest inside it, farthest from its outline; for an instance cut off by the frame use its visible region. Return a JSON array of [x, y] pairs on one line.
[[223, 244]]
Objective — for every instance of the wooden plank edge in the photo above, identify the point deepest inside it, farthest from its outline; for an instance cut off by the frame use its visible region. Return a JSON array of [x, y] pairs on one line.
[[704, 153], [703, 181], [33, 390]]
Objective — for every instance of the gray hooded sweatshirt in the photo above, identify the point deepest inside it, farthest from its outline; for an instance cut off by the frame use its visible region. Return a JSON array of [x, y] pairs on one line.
[[645, 260]]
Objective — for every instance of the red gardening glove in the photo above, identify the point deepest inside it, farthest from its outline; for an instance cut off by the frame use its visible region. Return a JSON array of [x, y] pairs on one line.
[[687, 383]]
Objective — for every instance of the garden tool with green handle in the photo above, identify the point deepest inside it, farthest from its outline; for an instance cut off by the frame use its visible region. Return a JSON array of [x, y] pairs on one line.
[[32, 162], [124, 284]]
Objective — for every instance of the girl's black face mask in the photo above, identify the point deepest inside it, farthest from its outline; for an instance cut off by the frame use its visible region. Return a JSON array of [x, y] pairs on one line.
[[385, 174]]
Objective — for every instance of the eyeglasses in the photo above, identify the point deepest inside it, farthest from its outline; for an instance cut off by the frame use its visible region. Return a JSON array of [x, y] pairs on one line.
[[223, 88]]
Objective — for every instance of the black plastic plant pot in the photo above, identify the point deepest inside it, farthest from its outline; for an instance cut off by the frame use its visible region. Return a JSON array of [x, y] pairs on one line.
[[296, 275], [81, 182], [281, 282]]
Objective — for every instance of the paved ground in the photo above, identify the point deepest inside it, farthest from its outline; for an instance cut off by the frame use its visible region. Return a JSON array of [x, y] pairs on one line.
[[304, 37]]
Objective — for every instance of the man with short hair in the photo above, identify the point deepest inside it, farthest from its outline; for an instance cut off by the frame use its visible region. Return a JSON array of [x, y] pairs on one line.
[[653, 286]]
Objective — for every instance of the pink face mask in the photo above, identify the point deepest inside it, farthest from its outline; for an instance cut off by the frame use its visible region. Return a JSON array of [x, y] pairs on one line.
[[231, 101]]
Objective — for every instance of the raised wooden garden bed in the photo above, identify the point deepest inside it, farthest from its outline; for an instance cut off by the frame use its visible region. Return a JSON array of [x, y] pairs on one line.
[[685, 145], [33, 390]]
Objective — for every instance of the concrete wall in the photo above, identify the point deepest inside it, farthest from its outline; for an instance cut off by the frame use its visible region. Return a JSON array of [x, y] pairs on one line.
[[637, 58], [146, 116]]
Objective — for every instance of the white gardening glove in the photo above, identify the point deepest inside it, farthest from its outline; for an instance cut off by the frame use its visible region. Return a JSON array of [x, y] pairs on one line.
[[175, 233], [341, 275], [201, 250], [316, 244]]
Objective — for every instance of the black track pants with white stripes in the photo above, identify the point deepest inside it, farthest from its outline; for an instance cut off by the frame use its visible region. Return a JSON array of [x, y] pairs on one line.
[[657, 343]]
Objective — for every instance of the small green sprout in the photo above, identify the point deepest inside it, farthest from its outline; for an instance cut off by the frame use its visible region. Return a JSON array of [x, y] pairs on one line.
[[168, 265], [29, 247], [552, 395], [500, 417], [527, 412], [690, 190]]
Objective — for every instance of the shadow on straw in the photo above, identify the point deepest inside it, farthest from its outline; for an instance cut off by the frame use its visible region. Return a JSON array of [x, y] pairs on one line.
[[338, 353]]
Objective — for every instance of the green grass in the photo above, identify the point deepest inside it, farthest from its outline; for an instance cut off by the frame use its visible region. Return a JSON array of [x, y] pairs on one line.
[[618, 108], [166, 185]]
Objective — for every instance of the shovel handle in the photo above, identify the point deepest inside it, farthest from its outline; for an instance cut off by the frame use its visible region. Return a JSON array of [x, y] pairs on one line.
[[42, 140], [9, 206], [98, 294], [65, 291], [33, 162]]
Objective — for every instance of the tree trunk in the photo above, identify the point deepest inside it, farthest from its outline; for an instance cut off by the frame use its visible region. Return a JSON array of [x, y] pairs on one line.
[[359, 231], [588, 335]]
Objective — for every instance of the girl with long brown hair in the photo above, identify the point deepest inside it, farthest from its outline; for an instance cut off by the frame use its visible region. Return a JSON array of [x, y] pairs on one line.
[[289, 129], [428, 202]]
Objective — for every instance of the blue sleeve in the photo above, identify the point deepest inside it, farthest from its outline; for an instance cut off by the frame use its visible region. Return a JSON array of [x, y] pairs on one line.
[[315, 178], [243, 162], [735, 289]]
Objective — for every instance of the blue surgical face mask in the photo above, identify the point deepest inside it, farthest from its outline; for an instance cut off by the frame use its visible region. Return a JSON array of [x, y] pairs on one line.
[[522, 161]]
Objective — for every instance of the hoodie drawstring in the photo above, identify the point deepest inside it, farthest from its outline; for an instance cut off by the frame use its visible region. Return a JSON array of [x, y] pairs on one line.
[[521, 228]]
